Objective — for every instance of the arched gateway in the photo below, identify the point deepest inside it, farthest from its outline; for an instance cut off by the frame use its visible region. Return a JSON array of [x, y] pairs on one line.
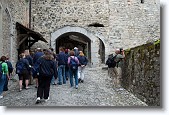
[[92, 45]]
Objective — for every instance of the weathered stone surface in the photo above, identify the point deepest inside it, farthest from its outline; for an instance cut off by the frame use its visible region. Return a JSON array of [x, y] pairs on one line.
[[126, 24], [141, 73], [11, 11]]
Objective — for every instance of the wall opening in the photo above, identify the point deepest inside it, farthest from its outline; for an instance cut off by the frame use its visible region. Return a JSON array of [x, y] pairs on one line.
[[142, 1], [73, 39], [92, 45], [102, 51], [95, 25]]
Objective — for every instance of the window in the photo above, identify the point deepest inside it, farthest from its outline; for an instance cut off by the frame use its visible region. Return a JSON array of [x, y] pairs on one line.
[[142, 1]]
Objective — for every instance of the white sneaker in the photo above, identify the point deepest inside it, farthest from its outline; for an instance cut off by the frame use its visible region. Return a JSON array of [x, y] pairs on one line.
[[46, 99], [38, 100], [1, 96]]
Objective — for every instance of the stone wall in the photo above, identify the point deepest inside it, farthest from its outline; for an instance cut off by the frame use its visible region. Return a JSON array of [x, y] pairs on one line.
[[141, 73], [126, 23], [12, 11]]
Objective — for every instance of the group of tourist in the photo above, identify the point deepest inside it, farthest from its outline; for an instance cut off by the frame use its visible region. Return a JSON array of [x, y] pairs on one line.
[[46, 68]]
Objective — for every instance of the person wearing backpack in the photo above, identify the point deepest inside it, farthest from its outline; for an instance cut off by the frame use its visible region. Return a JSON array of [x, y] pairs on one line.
[[10, 67], [73, 63], [117, 71], [111, 64], [67, 67], [23, 70], [47, 69], [82, 64], [3, 74]]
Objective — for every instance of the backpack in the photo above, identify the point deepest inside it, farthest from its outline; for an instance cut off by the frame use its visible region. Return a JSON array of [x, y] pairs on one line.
[[19, 67], [73, 64], [10, 68], [1, 72], [111, 62]]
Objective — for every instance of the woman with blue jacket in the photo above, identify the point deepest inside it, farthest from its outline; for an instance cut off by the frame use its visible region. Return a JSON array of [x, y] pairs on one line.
[[46, 70]]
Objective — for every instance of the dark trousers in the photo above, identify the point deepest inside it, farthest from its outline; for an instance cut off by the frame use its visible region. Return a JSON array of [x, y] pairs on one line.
[[6, 84], [44, 86]]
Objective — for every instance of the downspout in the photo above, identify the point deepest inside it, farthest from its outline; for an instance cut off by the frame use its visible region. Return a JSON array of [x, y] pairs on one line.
[[30, 6]]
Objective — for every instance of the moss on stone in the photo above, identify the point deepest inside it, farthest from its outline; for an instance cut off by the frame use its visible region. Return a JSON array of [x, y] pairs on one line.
[[157, 42]]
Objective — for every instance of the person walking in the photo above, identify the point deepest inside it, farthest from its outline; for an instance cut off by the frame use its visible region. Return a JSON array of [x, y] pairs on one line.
[[23, 70], [10, 70], [73, 63], [47, 69], [3, 74], [82, 64], [30, 60], [39, 53], [54, 58], [10, 67], [67, 67], [62, 61]]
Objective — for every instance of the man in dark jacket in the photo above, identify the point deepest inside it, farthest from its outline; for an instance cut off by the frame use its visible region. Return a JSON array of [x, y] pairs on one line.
[[46, 69], [62, 61]]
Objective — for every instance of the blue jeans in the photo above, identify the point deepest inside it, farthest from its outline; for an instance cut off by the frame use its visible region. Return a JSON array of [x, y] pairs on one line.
[[67, 73], [53, 80], [73, 73], [6, 84], [2, 83], [61, 74]]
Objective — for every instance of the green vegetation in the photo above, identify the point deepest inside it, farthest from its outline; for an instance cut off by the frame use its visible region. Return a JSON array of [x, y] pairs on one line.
[[26, 0], [157, 42]]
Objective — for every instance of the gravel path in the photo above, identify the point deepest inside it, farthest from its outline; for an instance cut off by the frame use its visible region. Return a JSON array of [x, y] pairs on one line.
[[96, 90]]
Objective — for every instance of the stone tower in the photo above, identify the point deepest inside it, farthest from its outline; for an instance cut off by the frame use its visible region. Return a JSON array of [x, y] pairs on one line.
[[97, 27]]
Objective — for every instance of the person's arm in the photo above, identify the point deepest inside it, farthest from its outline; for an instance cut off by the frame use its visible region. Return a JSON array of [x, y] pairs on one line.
[[86, 60], [27, 64], [68, 60], [31, 61], [76, 59]]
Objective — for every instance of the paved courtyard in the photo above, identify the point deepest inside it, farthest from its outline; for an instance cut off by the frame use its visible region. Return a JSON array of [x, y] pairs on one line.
[[97, 90]]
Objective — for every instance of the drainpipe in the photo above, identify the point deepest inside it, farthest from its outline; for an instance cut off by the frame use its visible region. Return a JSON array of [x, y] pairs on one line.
[[30, 2], [30, 6]]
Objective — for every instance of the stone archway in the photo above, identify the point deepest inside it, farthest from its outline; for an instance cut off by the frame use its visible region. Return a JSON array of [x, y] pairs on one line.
[[92, 40], [10, 33], [6, 32]]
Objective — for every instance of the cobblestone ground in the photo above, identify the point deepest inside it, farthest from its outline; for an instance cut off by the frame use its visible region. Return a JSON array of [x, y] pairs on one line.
[[97, 90]]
